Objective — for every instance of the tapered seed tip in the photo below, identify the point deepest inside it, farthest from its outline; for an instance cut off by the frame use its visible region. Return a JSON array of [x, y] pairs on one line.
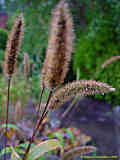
[[112, 89]]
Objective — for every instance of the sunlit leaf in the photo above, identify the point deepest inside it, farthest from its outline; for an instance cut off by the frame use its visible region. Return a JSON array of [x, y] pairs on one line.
[[5, 150], [12, 126], [24, 145], [14, 154], [44, 147], [71, 136], [78, 151], [60, 138]]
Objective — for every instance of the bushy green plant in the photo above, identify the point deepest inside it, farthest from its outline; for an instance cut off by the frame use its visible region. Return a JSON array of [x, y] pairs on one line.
[[36, 29], [27, 88], [92, 49], [21, 95], [53, 74], [37, 151]]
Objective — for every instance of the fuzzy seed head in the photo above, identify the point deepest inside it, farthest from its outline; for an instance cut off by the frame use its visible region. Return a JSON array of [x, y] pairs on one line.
[[81, 88], [13, 45], [26, 64], [60, 46]]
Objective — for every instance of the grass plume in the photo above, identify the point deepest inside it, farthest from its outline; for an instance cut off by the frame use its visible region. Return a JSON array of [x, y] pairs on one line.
[[81, 88], [55, 67], [13, 45], [60, 46], [12, 49]]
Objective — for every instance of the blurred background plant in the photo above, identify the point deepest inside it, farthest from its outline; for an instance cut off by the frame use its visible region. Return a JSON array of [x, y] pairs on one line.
[[57, 140], [99, 42], [97, 38], [21, 92], [97, 35]]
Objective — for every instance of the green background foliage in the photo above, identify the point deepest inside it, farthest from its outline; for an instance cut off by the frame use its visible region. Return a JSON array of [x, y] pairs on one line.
[[97, 37], [99, 42]]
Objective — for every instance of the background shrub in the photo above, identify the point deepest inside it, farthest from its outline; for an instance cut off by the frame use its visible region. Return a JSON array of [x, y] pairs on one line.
[[98, 43], [97, 37]]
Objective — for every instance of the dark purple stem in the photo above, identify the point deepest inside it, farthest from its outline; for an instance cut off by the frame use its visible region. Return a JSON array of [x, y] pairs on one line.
[[38, 110], [38, 125], [7, 112]]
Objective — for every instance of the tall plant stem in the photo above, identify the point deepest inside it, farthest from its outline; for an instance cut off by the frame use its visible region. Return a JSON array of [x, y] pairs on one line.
[[38, 125], [7, 111], [38, 110]]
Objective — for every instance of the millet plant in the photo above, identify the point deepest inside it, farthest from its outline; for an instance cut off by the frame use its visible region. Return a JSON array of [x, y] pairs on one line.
[[55, 68]]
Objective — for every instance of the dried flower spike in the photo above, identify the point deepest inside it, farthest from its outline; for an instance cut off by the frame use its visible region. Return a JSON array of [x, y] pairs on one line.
[[78, 151], [81, 88], [13, 45], [60, 46], [26, 64]]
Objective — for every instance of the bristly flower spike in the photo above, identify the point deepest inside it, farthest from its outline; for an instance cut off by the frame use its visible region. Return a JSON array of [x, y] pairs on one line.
[[13, 45], [81, 88], [12, 49], [60, 46]]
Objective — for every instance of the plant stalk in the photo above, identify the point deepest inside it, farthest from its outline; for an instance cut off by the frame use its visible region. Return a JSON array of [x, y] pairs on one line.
[[38, 110], [7, 112], [37, 126]]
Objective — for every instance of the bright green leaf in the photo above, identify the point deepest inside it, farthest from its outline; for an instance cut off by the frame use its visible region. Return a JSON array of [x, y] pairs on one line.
[[71, 136], [5, 150], [9, 126], [44, 147], [60, 138]]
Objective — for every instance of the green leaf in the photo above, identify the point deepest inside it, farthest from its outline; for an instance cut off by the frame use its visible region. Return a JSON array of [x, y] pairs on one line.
[[24, 145], [5, 150], [60, 138], [51, 135], [19, 149], [10, 150], [9, 126], [77, 151], [14, 154], [44, 147], [78, 74], [71, 136]]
